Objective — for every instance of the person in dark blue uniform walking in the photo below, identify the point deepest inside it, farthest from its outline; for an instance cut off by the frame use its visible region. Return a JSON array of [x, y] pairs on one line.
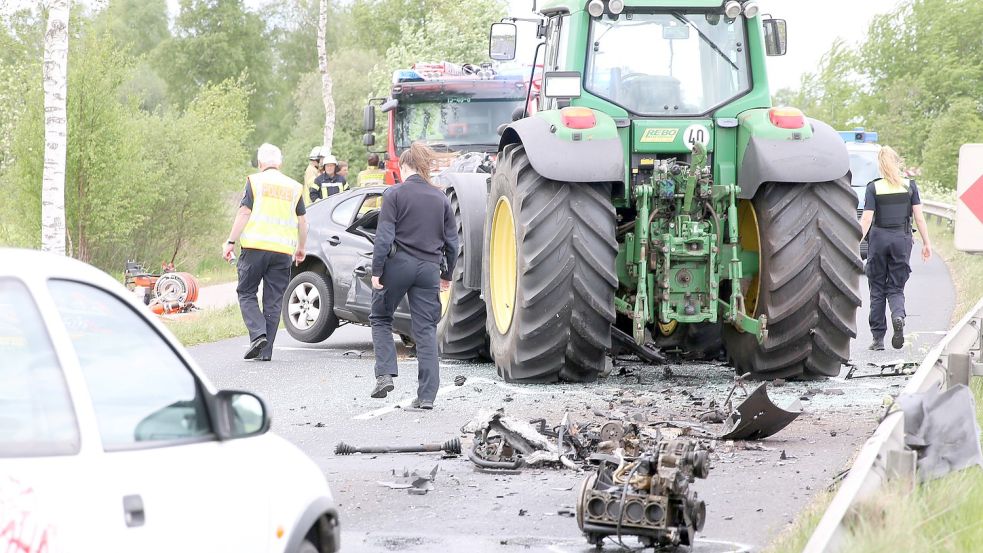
[[890, 205], [416, 232]]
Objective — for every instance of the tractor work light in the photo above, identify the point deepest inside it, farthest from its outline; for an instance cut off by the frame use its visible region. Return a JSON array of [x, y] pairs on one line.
[[787, 118], [615, 7], [561, 84], [732, 9], [595, 8], [751, 9], [578, 118]]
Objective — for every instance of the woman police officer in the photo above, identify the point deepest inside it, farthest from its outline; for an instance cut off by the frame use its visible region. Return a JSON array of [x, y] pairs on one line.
[[415, 233], [891, 203]]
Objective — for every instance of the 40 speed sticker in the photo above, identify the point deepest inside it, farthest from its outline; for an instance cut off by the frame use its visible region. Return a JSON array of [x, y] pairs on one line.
[[696, 133]]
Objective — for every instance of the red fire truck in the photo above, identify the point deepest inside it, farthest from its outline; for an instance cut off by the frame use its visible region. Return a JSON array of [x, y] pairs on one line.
[[453, 108]]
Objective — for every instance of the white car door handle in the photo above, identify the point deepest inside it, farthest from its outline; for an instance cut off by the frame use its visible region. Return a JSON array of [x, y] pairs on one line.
[[133, 511]]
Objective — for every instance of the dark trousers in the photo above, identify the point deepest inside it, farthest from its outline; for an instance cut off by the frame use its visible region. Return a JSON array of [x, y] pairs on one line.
[[887, 273], [406, 275], [274, 270]]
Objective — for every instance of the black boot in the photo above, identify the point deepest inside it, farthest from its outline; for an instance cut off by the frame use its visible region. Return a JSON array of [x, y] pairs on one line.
[[877, 344], [898, 339]]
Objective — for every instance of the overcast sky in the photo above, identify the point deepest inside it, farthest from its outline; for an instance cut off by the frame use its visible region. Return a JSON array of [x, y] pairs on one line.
[[812, 28]]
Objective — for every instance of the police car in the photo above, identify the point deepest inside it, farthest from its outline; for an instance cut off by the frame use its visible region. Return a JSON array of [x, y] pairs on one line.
[[863, 148], [111, 439]]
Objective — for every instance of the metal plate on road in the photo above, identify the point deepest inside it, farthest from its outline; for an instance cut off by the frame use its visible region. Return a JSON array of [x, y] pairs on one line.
[[969, 194]]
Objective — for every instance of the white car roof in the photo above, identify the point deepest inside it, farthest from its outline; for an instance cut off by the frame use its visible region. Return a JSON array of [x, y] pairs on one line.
[[33, 265]]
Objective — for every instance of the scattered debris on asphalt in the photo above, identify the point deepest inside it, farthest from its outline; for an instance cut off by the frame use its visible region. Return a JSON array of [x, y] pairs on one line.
[[414, 483], [757, 417], [452, 447], [459, 380], [899, 367], [648, 496]]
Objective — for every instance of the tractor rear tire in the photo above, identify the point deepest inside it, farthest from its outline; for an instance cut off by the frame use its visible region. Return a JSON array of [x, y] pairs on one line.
[[549, 274], [808, 283], [461, 332]]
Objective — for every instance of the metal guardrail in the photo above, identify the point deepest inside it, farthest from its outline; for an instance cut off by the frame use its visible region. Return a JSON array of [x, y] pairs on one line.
[[954, 360], [939, 210]]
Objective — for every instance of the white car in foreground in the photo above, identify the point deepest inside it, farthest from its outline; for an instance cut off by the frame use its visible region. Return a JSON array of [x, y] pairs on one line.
[[112, 440]]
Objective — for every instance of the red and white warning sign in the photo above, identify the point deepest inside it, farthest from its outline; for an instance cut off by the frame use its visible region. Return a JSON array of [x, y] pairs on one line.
[[969, 199]]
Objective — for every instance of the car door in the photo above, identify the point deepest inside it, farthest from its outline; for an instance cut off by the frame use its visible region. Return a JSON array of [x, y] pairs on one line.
[[342, 249], [52, 496], [359, 299], [180, 488]]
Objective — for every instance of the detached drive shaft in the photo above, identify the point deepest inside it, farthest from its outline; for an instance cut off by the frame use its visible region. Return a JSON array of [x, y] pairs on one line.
[[450, 446]]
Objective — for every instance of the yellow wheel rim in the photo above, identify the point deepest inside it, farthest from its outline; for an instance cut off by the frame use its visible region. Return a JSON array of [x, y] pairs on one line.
[[750, 241], [502, 265], [445, 301]]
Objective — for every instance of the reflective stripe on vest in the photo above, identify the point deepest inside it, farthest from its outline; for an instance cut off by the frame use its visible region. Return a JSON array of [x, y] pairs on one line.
[[272, 224], [371, 177], [893, 207]]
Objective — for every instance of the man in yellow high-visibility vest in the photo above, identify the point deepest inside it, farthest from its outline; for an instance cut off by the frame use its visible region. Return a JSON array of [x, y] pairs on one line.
[[373, 174], [271, 227]]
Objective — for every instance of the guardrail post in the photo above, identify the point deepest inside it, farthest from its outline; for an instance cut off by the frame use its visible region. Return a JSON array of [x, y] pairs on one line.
[[900, 467], [958, 369]]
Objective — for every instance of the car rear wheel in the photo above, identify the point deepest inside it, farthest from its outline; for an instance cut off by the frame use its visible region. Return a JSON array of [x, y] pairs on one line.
[[308, 308]]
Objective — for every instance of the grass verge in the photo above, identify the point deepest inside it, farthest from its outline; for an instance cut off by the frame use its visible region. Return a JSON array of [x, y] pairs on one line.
[[207, 326], [939, 516], [942, 515], [966, 269]]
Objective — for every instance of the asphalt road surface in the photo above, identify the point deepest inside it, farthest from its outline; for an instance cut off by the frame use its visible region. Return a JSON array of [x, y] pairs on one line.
[[319, 397]]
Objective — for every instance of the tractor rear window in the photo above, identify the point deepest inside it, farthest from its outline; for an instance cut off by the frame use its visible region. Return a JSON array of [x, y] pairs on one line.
[[668, 64]]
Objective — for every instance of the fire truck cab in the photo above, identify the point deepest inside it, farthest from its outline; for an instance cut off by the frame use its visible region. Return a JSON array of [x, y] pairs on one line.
[[453, 108]]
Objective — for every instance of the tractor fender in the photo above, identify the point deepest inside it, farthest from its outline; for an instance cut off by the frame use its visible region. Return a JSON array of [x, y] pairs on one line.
[[600, 159], [821, 158], [472, 191]]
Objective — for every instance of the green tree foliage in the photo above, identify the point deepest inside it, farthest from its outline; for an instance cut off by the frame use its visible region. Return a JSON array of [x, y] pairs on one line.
[[139, 26], [916, 79], [831, 93], [138, 185], [165, 111], [199, 164], [962, 123], [215, 41]]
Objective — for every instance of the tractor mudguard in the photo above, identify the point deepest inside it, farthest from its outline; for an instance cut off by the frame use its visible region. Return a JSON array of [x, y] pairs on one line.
[[471, 190], [821, 158], [569, 155]]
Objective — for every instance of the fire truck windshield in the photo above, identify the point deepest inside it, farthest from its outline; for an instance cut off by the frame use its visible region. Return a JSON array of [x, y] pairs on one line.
[[453, 122]]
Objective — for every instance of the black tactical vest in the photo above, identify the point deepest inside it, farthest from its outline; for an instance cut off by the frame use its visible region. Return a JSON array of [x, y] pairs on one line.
[[893, 210]]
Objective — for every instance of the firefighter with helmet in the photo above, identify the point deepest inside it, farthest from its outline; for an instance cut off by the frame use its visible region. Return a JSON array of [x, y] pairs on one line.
[[329, 182], [312, 171]]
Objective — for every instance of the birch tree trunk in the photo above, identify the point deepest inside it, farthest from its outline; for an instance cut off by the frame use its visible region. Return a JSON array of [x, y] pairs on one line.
[[55, 128], [322, 62]]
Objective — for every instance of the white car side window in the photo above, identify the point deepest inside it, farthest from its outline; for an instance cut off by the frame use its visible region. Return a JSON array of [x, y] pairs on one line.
[[36, 413], [142, 392]]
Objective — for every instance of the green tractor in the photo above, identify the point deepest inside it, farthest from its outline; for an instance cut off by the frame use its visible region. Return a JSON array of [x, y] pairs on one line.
[[656, 195]]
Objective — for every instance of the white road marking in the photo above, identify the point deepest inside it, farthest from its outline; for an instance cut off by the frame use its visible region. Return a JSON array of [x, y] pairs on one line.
[[739, 547], [401, 405]]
